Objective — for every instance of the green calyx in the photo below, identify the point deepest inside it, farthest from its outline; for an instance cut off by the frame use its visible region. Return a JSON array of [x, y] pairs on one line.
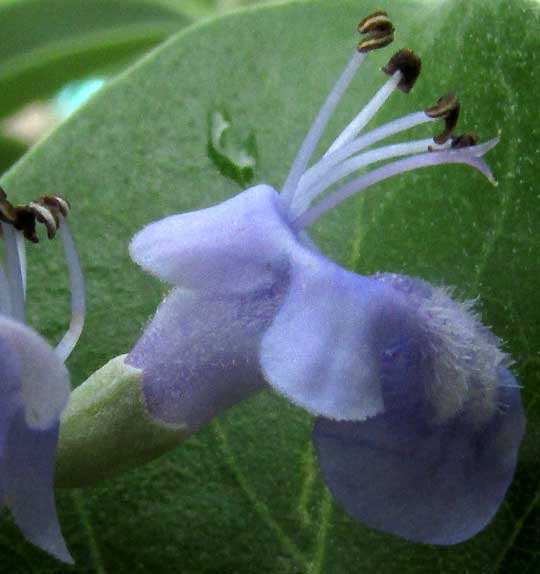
[[105, 430]]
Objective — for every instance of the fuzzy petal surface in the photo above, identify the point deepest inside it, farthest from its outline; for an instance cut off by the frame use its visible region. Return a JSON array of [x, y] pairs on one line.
[[10, 392], [33, 392], [43, 377], [28, 485], [234, 247], [199, 354], [318, 351], [10, 401], [434, 484]]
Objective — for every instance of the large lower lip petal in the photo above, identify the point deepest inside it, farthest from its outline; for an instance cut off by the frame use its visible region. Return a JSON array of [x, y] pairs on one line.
[[432, 484]]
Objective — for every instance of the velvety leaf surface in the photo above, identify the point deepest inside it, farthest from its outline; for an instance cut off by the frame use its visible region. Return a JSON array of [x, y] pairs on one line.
[[10, 152], [244, 495], [204, 8], [48, 42]]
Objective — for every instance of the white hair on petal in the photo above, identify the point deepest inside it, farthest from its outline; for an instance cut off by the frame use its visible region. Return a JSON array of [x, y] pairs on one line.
[[466, 359]]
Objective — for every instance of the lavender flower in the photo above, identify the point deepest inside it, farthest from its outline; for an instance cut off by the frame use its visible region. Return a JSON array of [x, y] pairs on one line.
[[35, 383], [419, 418]]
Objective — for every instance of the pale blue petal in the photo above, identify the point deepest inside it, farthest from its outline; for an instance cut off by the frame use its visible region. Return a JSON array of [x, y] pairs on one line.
[[433, 484], [323, 349], [10, 401], [44, 379], [10, 392], [199, 355], [237, 246], [28, 485], [31, 375]]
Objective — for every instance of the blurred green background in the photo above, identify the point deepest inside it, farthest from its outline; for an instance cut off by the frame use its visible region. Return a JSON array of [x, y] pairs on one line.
[[48, 43]]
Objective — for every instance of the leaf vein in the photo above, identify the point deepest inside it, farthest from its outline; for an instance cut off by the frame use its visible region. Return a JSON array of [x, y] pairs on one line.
[[517, 529], [260, 507], [320, 550], [95, 553]]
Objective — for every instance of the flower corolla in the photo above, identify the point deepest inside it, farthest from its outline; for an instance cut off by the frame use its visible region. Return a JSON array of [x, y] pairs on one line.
[[419, 419], [34, 384]]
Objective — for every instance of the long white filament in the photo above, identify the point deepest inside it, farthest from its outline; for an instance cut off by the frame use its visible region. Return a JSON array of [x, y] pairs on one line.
[[21, 250], [14, 272], [355, 163], [470, 156], [366, 114], [5, 295], [370, 138], [314, 135], [76, 281]]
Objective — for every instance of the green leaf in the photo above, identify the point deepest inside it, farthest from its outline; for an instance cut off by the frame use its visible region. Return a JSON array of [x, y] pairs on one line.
[[10, 152], [244, 494], [205, 8], [46, 43]]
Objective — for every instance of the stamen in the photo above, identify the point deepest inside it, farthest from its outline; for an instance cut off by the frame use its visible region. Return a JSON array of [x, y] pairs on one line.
[[76, 281], [443, 107], [12, 284], [317, 127], [409, 64], [25, 221], [21, 249], [375, 22], [466, 140], [314, 173], [403, 69], [379, 33], [355, 163], [470, 156], [59, 202], [45, 216], [5, 295], [480, 150], [7, 211], [46, 210], [14, 272], [366, 114], [446, 108], [49, 210]]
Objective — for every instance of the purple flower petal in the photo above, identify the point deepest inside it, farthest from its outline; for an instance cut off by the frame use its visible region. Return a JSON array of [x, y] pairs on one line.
[[10, 389], [199, 355], [318, 351], [33, 393], [28, 485], [44, 380], [236, 246], [437, 484]]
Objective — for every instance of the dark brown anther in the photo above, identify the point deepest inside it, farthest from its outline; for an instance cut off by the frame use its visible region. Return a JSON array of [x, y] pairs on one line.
[[446, 108], [378, 31], [46, 210], [46, 217], [466, 140], [376, 21], [55, 203], [21, 217], [7, 211], [409, 64], [26, 222]]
